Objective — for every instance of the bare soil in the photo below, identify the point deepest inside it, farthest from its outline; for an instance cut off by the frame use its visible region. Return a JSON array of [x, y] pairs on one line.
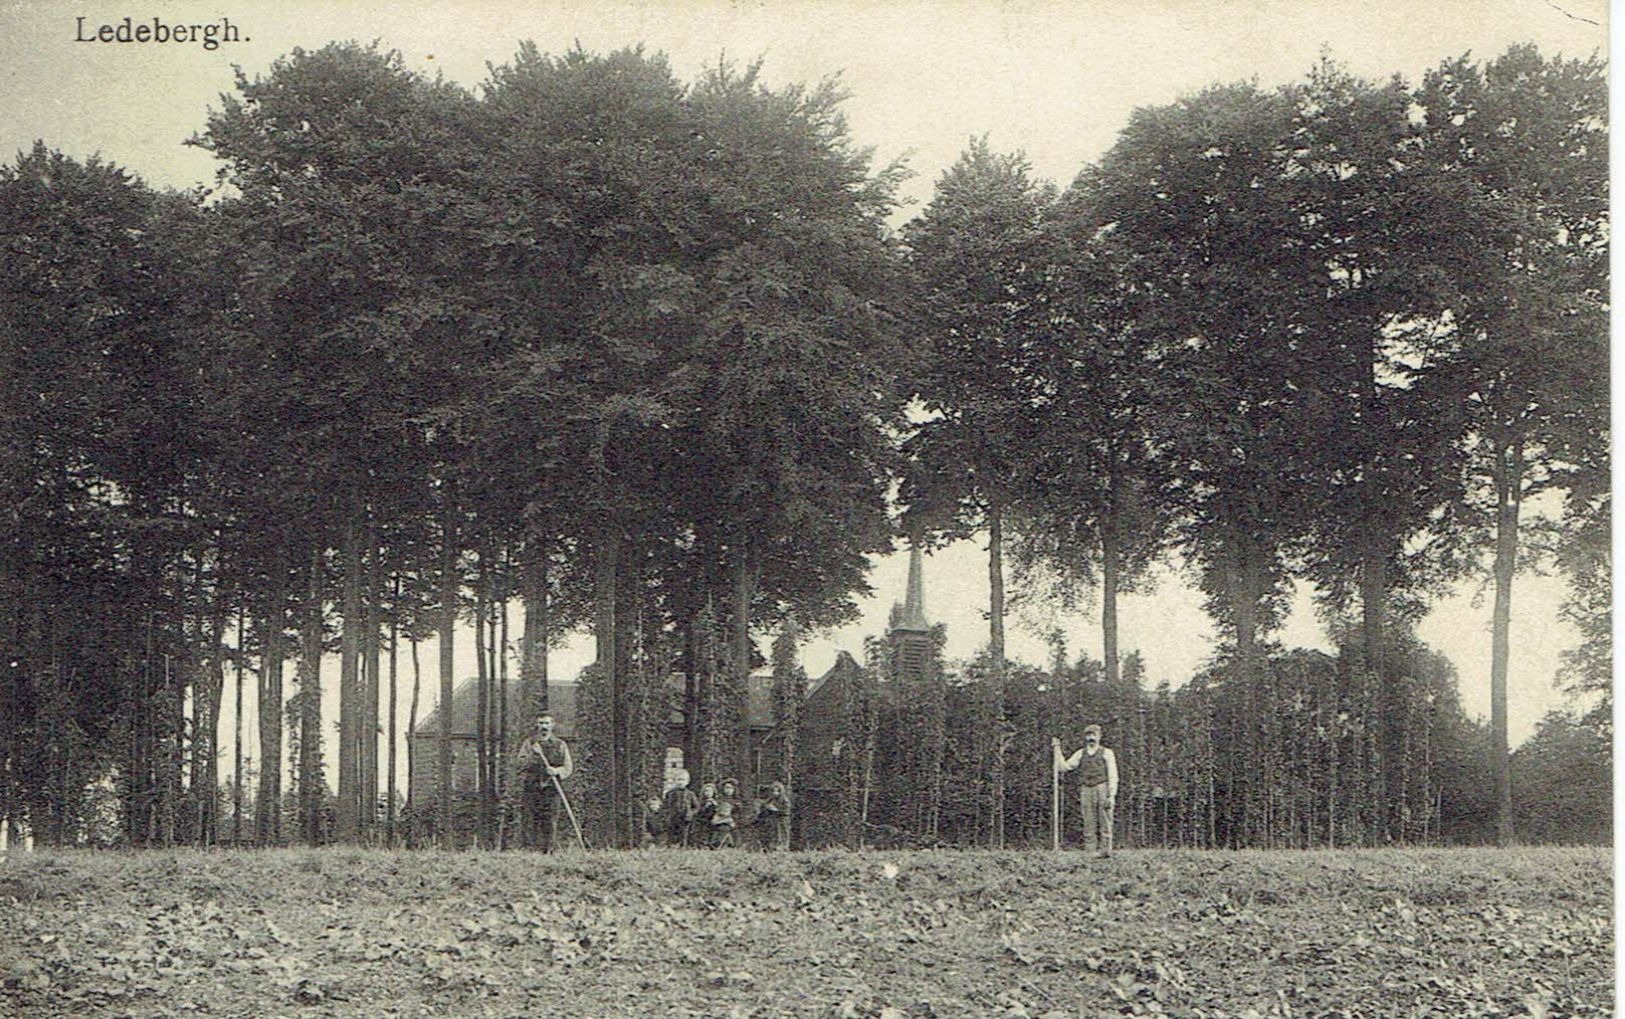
[[350, 932]]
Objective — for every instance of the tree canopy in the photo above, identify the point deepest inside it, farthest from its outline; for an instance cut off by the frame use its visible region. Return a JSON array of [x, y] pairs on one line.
[[647, 356]]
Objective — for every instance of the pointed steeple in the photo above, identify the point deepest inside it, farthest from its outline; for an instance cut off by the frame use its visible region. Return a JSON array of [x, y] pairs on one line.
[[912, 616]]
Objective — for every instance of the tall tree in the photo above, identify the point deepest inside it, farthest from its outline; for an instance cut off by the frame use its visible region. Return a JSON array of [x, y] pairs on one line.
[[104, 291], [978, 251], [354, 229], [1192, 195], [594, 145], [1102, 507], [1525, 140], [710, 252], [794, 276], [1380, 227]]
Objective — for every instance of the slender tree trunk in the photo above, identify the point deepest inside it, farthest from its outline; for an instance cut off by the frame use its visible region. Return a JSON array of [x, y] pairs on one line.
[[369, 714], [1508, 494], [1430, 816], [143, 763], [135, 709], [1109, 565], [628, 586], [394, 641], [347, 819], [199, 666], [869, 731], [544, 640], [482, 699], [1212, 810], [1372, 495], [536, 595], [936, 729], [691, 698], [192, 671], [207, 740], [1334, 762], [10, 687], [237, 742], [311, 782], [413, 753], [134, 760], [744, 594], [268, 799], [534, 634], [1244, 611], [490, 716], [175, 728], [448, 629], [198, 749], [502, 792], [995, 647], [530, 597], [604, 634], [790, 692], [706, 669], [1391, 743], [146, 743], [1375, 807], [174, 718]]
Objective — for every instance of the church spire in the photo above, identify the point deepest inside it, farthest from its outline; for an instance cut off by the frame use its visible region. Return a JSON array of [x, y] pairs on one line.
[[912, 617]]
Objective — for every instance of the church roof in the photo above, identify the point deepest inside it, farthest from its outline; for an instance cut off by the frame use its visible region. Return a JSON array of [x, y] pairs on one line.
[[561, 704], [845, 666], [465, 699]]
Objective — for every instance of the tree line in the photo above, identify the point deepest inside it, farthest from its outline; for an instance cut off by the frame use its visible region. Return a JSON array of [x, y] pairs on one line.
[[645, 357], [1282, 756], [1338, 332]]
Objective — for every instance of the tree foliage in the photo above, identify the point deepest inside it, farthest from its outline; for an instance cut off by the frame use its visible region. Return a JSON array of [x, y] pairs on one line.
[[646, 355]]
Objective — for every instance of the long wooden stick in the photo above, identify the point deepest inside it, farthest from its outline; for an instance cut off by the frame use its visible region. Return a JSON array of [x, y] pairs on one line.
[[568, 810], [1054, 802]]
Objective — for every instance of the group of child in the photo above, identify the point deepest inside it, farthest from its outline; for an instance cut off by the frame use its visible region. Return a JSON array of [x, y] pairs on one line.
[[716, 817]]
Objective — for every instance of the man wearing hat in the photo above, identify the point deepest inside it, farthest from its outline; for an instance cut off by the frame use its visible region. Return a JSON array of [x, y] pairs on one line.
[[1098, 793], [543, 758]]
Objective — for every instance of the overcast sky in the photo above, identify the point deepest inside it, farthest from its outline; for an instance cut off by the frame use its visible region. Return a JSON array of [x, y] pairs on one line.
[[1055, 80]]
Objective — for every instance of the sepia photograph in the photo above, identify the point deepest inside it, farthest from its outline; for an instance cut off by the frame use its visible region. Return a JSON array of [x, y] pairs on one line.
[[828, 508]]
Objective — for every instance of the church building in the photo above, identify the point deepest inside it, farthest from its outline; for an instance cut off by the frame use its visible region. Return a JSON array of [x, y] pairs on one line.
[[825, 745]]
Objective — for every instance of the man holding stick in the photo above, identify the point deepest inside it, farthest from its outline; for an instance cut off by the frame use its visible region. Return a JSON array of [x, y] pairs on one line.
[[1098, 792], [546, 762]]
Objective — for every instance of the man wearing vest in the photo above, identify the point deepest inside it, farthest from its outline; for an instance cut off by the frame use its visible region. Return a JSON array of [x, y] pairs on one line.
[[544, 757], [1097, 767]]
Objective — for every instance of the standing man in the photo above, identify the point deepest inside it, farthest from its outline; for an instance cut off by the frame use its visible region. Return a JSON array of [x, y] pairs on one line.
[[1098, 792], [544, 758]]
